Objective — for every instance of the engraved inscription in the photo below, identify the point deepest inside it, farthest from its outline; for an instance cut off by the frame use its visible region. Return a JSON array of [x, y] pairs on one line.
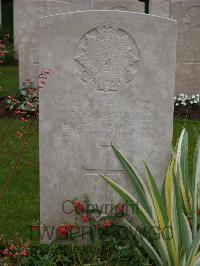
[[106, 125], [107, 58]]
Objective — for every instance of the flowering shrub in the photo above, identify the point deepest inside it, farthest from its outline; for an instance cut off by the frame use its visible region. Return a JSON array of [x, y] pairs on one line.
[[13, 251], [6, 49], [187, 106], [26, 101], [99, 225], [3, 48], [111, 250], [183, 100]]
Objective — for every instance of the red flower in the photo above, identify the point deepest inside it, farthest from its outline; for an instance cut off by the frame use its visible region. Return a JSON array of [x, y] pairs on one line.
[[24, 253], [11, 247], [29, 104], [69, 227], [85, 218], [5, 252], [120, 208], [24, 119], [107, 223], [15, 254], [63, 230], [34, 227], [79, 207]]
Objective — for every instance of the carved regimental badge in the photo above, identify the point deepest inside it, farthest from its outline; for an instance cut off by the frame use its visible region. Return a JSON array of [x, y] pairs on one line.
[[107, 58]]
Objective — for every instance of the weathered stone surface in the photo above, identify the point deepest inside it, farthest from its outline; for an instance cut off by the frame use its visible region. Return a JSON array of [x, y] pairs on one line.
[[113, 80], [26, 32], [123, 5], [160, 8], [25, 12], [0, 13], [187, 14]]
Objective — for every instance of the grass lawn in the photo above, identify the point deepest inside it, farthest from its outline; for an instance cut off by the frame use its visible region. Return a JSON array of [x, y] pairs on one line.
[[10, 84], [20, 205]]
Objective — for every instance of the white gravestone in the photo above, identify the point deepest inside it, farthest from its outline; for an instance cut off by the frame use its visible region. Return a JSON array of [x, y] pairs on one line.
[[187, 14], [26, 33], [113, 81], [123, 5], [26, 14], [160, 7]]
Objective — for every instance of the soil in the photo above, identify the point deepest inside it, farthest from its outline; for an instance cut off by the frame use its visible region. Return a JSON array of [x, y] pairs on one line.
[[188, 113]]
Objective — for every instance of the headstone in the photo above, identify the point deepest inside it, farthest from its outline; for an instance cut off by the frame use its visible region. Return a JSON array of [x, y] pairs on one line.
[[0, 13], [160, 8], [187, 14], [26, 11], [122, 5], [26, 14], [113, 81], [26, 32]]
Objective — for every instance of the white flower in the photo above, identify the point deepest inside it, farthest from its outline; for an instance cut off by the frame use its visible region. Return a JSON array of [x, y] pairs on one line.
[[197, 95], [186, 96], [183, 103], [193, 96], [175, 98], [195, 101], [177, 104], [191, 102]]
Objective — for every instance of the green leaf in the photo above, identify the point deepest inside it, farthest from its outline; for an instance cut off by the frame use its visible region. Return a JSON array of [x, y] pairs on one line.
[[8, 101], [142, 214], [193, 249], [158, 202], [162, 216], [23, 92], [197, 260], [181, 169], [195, 184], [137, 182], [186, 233], [145, 244]]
